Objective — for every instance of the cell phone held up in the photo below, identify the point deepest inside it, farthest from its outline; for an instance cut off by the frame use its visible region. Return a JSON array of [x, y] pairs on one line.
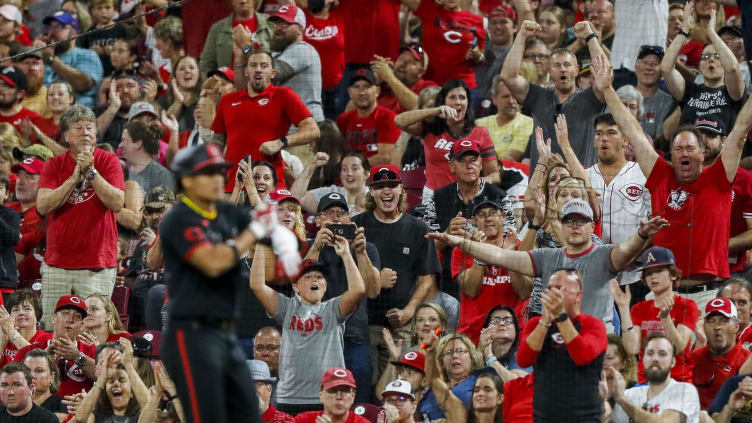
[[345, 231], [239, 173]]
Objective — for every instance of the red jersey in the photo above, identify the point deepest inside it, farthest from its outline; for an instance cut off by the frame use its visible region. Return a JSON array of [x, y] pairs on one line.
[[247, 122], [272, 415], [741, 209], [709, 372], [310, 417], [645, 316], [447, 36], [699, 213], [39, 340], [68, 246], [518, 400], [437, 150], [496, 289], [327, 36], [116, 336], [744, 337], [365, 134], [389, 100], [691, 53], [372, 28], [74, 380], [16, 119]]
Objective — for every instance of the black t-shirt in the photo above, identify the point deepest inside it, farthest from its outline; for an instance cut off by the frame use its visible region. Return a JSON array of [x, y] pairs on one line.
[[402, 247], [356, 328], [703, 102], [102, 38], [54, 404], [37, 414], [115, 131], [111, 418], [193, 295]]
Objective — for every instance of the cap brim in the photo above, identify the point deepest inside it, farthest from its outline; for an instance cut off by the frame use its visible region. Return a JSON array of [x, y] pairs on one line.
[[723, 313], [651, 266], [72, 307], [486, 203], [357, 78], [463, 152], [709, 129], [22, 166], [313, 268], [209, 167], [155, 205], [326, 206], [339, 382], [399, 363], [583, 215], [273, 17], [383, 394]]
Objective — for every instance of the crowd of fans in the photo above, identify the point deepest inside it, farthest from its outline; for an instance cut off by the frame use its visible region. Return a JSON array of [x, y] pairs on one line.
[[507, 210]]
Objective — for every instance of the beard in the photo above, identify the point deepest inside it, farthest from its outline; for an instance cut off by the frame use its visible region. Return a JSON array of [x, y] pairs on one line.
[[35, 84], [63, 47], [7, 104], [281, 43], [656, 375]]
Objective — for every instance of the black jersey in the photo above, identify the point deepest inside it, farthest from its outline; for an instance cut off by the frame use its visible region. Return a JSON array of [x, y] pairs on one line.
[[192, 294]]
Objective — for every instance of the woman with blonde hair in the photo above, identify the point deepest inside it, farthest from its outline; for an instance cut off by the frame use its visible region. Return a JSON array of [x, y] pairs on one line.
[[102, 322], [427, 318]]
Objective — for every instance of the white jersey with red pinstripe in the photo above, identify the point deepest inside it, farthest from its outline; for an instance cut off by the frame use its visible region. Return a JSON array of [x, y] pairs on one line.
[[624, 202]]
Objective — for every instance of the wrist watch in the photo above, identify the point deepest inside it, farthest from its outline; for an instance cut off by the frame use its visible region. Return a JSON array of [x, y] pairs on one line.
[[92, 174], [50, 60], [562, 317], [81, 361], [247, 49]]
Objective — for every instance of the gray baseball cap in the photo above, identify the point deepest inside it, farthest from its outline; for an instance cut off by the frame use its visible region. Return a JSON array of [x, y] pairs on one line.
[[260, 371]]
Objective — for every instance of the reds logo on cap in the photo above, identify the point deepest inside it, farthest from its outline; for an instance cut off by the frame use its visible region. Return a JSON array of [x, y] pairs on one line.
[[339, 372], [75, 300], [412, 355], [466, 143], [28, 160], [212, 150], [359, 410], [335, 196], [149, 337], [284, 9], [717, 303]]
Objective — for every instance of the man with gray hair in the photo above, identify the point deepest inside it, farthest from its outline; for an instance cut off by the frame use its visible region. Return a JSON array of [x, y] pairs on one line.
[[80, 193], [265, 382]]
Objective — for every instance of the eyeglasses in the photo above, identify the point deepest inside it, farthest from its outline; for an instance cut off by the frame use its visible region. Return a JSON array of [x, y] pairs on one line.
[[485, 215], [570, 223], [648, 49], [332, 213], [709, 56], [385, 174], [454, 351], [268, 348], [535, 57], [396, 399], [151, 210], [344, 390], [506, 321]]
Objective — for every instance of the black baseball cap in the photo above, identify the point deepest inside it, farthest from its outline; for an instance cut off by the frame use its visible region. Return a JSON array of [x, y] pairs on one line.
[[492, 201], [655, 257], [646, 50], [312, 266], [712, 125], [364, 74], [731, 30], [332, 199], [197, 159], [14, 77]]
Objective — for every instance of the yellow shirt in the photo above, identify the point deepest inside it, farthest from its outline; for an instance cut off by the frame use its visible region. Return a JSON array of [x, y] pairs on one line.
[[512, 136], [37, 103]]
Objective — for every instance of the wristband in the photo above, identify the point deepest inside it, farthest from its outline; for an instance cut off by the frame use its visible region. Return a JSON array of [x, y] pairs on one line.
[[628, 329], [234, 246], [479, 263], [490, 360], [590, 37], [533, 227], [538, 168], [284, 141], [542, 323], [172, 397], [681, 32], [640, 235]]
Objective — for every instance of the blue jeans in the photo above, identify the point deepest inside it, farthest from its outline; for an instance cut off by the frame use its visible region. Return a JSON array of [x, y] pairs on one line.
[[358, 361]]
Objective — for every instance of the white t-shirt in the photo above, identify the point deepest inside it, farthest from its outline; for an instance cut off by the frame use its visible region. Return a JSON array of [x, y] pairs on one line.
[[638, 22], [678, 396]]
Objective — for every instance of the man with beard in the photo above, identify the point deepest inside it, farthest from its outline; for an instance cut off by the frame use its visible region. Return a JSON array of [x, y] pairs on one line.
[[672, 401], [243, 117], [297, 63], [125, 90], [13, 86], [80, 260], [713, 135], [510, 130], [30, 63], [16, 389], [579, 107], [723, 357], [402, 82], [656, 103], [32, 227], [79, 67], [369, 128]]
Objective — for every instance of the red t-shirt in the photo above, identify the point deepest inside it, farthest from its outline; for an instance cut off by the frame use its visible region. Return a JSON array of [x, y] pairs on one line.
[[327, 36], [310, 417], [365, 134], [389, 100], [75, 379], [32, 234], [709, 372], [82, 233], [741, 209], [447, 36], [645, 316], [16, 119], [372, 28], [115, 337], [744, 337], [39, 340], [496, 289], [518, 400], [699, 213], [692, 52], [437, 150], [248, 122], [49, 127], [272, 415]]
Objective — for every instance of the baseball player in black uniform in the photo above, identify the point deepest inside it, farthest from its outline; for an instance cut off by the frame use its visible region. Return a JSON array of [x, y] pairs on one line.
[[202, 240]]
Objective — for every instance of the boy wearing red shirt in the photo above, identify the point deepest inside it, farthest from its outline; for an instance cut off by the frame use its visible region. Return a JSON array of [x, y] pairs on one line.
[[337, 396]]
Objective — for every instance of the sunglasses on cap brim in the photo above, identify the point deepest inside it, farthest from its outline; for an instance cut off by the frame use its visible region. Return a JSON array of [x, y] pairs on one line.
[[385, 175]]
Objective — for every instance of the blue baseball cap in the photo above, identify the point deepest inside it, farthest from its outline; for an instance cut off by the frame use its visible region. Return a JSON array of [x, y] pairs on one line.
[[655, 257], [64, 18]]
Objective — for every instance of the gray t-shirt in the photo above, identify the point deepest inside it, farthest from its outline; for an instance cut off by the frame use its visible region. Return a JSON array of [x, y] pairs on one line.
[[655, 110], [153, 175], [312, 343], [306, 81], [595, 268], [580, 109], [34, 19]]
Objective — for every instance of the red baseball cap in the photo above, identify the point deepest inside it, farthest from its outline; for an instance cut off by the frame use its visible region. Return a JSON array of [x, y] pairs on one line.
[[337, 376], [462, 147], [224, 72], [290, 14], [503, 11], [29, 164], [71, 301], [280, 195], [721, 305], [384, 173], [414, 359]]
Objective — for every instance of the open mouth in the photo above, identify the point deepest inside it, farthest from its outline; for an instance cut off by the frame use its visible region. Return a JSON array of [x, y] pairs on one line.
[[261, 189], [387, 200], [314, 287], [257, 78], [684, 165], [117, 394]]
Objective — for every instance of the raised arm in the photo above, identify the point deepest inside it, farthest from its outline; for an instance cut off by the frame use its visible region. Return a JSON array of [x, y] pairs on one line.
[[732, 73], [299, 188], [674, 79], [356, 290], [627, 251], [510, 72], [406, 119], [516, 261], [631, 336], [266, 295], [382, 68], [629, 126], [575, 167], [732, 148], [411, 4], [583, 30]]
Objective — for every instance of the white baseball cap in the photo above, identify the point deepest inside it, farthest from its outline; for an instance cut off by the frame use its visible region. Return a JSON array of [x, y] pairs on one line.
[[11, 13], [400, 387]]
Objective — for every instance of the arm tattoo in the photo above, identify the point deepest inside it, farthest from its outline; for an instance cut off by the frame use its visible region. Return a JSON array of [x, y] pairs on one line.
[[284, 72]]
